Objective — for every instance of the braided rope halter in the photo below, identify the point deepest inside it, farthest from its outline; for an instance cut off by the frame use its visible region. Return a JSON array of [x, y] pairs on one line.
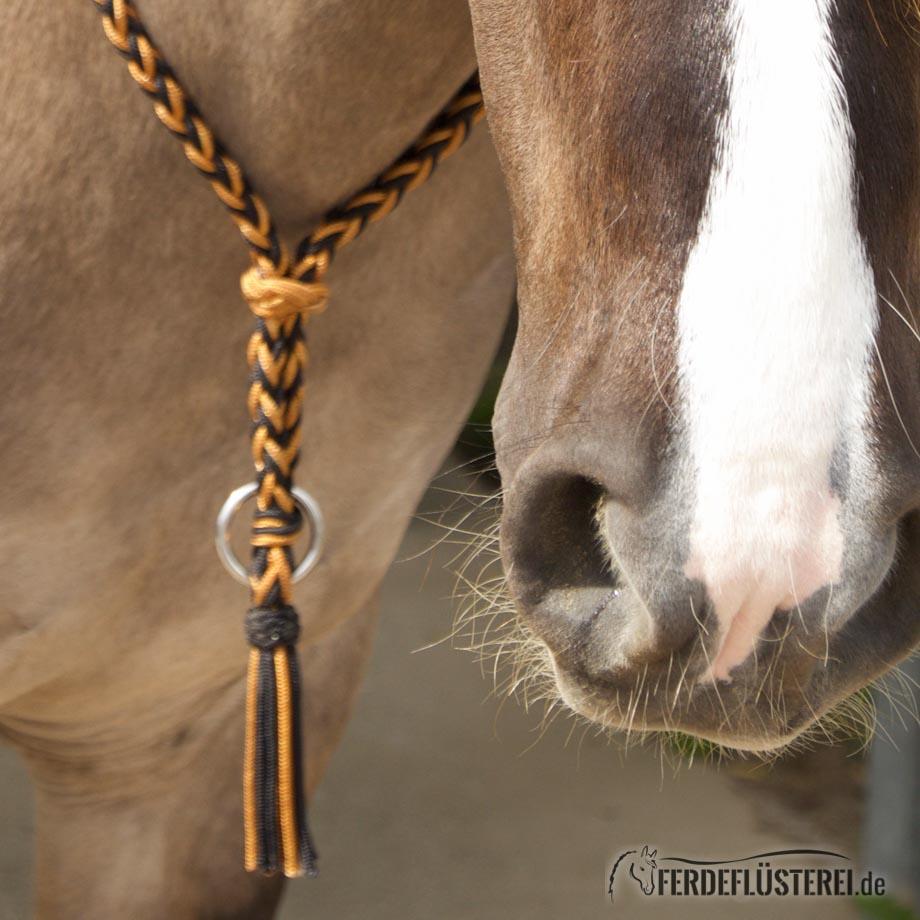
[[283, 294]]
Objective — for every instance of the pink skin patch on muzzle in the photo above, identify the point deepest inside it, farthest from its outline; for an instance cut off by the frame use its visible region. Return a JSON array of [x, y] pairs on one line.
[[772, 555]]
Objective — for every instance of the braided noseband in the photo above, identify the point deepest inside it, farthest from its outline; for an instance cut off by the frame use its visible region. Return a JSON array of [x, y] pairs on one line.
[[282, 294]]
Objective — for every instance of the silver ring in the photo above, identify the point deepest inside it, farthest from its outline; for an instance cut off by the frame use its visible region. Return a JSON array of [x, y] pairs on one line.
[[236, 499]]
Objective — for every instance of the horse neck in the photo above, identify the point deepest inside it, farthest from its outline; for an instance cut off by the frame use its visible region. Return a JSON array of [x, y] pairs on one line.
[[318, 96]]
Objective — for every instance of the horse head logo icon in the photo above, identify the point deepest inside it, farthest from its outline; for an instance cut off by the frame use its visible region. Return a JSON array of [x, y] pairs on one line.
[[641, 865]]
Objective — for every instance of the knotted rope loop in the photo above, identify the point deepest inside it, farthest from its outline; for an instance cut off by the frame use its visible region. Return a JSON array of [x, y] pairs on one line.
[[276, 527], [273, 296]]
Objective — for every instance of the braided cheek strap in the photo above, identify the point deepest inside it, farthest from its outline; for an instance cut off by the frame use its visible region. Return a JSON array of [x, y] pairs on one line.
[[275, 831]]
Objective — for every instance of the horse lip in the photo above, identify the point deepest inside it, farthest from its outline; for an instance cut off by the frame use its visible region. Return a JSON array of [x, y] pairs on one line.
[[858, 651]]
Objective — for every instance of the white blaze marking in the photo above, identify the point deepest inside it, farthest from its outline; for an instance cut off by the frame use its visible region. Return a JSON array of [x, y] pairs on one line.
[[776, 321]]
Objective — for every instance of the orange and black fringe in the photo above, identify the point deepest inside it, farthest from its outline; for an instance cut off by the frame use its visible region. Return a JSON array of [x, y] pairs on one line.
[[282, 294], [275, 829]]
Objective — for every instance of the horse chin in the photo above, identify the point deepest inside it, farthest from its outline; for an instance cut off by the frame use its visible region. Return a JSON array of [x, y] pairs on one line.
[[748, 730], [802, 693]]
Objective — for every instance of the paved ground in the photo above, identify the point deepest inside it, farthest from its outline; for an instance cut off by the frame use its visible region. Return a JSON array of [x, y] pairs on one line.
[[431, 809]]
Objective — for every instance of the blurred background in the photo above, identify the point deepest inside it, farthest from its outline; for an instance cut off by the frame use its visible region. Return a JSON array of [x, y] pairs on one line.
[[448, 800]]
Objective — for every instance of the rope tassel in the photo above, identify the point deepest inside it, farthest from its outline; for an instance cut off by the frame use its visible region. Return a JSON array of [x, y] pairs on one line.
[[275, 831], [276, 834]]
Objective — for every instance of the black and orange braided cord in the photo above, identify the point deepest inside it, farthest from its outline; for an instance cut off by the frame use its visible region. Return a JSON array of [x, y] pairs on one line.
[[282, 293]]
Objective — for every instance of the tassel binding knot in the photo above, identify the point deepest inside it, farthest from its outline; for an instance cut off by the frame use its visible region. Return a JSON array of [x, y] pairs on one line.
[[267, 627]]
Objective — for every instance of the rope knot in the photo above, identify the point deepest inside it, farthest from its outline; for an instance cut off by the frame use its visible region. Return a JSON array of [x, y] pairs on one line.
[[268, 627], [276, 527], [274, 296]]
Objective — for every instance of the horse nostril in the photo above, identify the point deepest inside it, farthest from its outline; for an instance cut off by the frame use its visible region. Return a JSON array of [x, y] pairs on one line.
[[553, 547], [600, 580]]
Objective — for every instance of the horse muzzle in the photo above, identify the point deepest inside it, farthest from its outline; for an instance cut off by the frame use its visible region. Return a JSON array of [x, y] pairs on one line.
[[603, 574]]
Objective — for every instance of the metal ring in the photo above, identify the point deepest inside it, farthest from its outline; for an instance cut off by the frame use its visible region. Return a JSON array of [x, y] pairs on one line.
[[236, 499]]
